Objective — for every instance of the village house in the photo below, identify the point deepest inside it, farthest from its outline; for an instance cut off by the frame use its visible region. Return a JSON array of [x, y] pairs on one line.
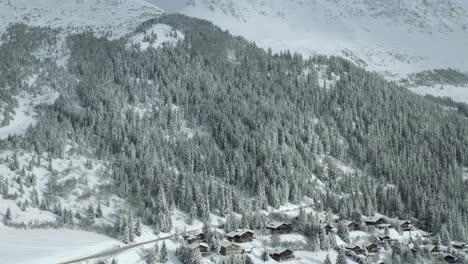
[[229, 248], [195, 238], [448, 258], [459, 245], [372, 248], [202, 247], [282, 254], [240, 236], [351, 225], [279, 228], [355, 248], [384, 238], [405, 225], [375, 221]]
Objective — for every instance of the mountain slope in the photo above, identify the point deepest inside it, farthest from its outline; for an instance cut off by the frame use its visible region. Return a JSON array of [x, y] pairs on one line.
[[118, 16], [383, 35]]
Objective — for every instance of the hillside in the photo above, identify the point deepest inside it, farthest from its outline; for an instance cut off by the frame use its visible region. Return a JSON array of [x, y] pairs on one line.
[[389, 36], [237, 138]]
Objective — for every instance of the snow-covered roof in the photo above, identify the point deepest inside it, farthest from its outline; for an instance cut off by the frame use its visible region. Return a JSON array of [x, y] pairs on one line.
[[227, 244], [275, 224], [277, 251], [239, 232], [373, 219], [458, 244], [348, 222]]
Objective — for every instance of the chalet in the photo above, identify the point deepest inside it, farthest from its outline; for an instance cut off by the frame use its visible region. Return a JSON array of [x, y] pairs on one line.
[[372, 248], [282, 254], [279, 228], [229, 248], [351, 225], [355, 248], [405, 225], [195, 238], [458, 245], [384, 238], [435, 249], [449, 258], [202, 247], [240, 236], [374, 221], [328, 228]]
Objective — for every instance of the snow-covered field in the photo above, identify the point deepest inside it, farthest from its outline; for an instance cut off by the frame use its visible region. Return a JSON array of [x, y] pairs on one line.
[[457, 93], [39, 246], [157, 36]]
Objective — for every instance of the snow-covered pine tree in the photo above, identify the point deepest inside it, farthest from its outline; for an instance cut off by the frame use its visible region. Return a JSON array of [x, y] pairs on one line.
[[341, 258], [7, 218], [163, 255], [327, 260], [265, 255], [138, 227]]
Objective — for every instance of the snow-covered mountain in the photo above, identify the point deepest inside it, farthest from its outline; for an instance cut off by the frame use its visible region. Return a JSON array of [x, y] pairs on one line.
[[118, 16], [391, 36]]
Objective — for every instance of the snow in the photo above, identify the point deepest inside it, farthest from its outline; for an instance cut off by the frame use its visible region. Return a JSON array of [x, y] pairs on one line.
[[456, 93], [18, 246], [119, 16], [370, 33], [163, 34], [24, 116]]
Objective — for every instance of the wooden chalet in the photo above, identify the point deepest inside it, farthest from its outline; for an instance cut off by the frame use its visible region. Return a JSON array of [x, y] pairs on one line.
[[279, 228], [383, 238], [229, 248], [282, 254], [351, 225], [355, 248], [459, 245], [194, 239], [240, 236], [203, 248], [375, 221], [405, 225], [448, 258], [372, 248]]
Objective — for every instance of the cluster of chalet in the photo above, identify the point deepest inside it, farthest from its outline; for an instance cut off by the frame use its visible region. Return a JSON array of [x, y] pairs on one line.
[[442, 252]]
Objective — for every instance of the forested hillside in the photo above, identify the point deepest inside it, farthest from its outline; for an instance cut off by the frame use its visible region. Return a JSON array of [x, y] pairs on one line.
[[218, 125]]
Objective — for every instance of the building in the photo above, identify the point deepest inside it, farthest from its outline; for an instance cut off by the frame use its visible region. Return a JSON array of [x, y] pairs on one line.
[[279, 228], [405, 225], [282, 254], [351, 225], [375, 221], [384, 238], [355, 248], [240, 236], [372, 248], [195, 238], [448, 258], [202, 247], [459, 245], [229, 248]]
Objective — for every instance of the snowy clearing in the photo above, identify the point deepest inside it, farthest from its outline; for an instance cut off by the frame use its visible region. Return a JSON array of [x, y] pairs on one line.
[[456, 93], [157, 36], [39, 246]]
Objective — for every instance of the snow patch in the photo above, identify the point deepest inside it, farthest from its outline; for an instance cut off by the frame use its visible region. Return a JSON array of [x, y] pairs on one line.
[[157, 36]]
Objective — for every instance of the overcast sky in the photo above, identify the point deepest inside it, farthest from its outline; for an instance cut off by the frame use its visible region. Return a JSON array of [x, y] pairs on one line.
[[169, 5]]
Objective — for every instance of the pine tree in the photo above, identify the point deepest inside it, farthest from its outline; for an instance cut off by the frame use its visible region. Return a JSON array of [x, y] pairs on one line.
[[114, 261], [327, 260], [150, 256], [138, 227], [163, 257], [126, 233], [343, 232], [99, 213], [265, 256], [91, 216], [341, 258], [7, 219]]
